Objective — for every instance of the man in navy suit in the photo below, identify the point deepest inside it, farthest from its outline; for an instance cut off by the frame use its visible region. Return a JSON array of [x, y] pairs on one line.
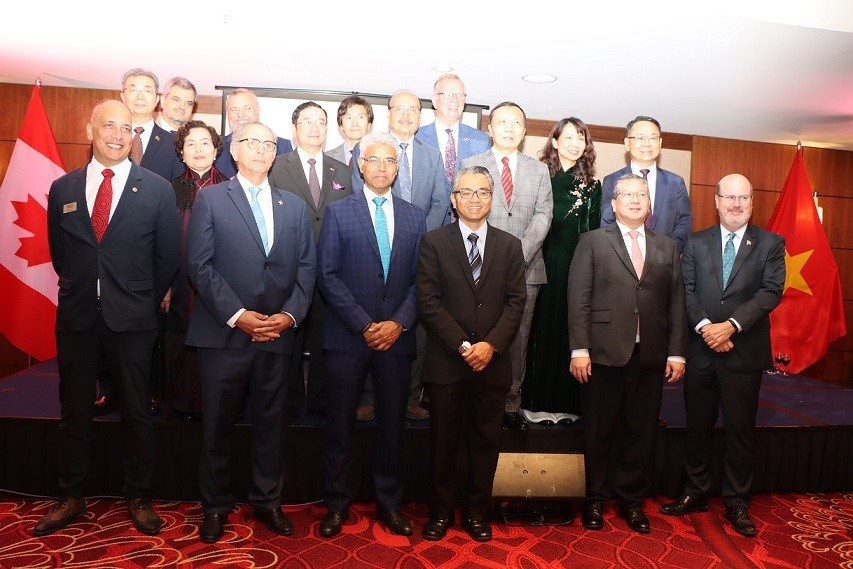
[[176, 104], [728, 307], [113, 236], [251, 258], [241, 107], [454, 141], [670, 212], [367, 257]]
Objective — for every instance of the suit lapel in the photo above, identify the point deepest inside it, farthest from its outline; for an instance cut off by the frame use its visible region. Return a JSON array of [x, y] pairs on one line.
[[238, 196], [294, 169], [715, 253], [277, 217], [492, 166], [79, 191], [328, 177], [618, 243], [128, 194], [362, 213], [651, 249], [746, 247]]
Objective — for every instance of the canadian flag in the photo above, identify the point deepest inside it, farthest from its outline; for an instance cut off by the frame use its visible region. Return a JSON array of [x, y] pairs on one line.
[[27, 279]]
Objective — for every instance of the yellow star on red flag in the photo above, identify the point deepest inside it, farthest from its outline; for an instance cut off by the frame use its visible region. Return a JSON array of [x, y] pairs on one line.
[[793, 266]]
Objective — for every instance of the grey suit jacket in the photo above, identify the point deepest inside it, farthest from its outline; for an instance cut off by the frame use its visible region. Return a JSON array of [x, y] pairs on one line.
[[606, 297], [529, 215], [287, 174], [338, 153]]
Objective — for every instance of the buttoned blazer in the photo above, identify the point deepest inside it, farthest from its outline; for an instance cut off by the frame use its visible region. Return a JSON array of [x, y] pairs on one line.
[[229, 268], [753, 291], [606, 297], [225, 162], [528, 216], [287, 173], [134, 262], [672, 214], [427, 182], [454, 309], [351, 278], [160, 155]]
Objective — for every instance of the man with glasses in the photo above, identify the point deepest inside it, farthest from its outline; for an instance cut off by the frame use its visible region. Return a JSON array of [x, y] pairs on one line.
[[471, 292], [627, 333], [318, 180], [251, 259], [670, 213], [367, 256], [455, 141], [176, 104], [734, 273]]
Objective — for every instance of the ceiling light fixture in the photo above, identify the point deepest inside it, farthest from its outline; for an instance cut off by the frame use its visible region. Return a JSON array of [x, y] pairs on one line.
[[539, 78], [442, 68]]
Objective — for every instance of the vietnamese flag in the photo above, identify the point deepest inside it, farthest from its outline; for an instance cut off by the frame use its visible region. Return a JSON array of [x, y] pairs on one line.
[[27, 279], [811, 314]]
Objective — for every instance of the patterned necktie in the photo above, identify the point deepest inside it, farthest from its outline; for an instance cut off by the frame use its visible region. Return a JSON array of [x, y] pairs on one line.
[[136, 145], [103, 203], [405, 175], [449, 157], [259, 217], [474, 259], [506, 179], [728, 258], [381, 229], [649, 217], [637, 260], [314, 182]]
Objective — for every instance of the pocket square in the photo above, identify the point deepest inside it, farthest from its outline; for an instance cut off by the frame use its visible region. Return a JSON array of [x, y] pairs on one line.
[[337, 186]]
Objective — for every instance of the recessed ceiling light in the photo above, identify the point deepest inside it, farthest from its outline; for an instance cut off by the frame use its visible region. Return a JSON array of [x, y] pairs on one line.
[[442, 68], [539, 78]]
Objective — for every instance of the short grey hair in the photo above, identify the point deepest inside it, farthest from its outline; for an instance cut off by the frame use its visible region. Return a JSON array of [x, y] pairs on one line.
[[446, 77], [473, 170], [631, 176], [376, 137], [181, 82], [238, 132], [139, 72], [402, 91]]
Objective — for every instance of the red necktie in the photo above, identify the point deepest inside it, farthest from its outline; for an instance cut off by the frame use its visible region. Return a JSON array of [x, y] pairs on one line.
[[103, 202], [506, 179], [649, 217]]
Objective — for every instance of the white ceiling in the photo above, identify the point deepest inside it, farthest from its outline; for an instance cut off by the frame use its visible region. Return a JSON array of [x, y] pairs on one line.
[[774, 71]]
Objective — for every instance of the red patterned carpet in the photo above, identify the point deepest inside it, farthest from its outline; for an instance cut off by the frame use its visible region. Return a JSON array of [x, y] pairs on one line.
[[802, 531]]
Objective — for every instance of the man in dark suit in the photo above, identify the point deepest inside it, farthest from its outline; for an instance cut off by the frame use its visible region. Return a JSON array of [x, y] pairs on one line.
[[113, 235], [318, 180], [241, 107], [627, 331], [734, 273], [367, 257], [470, 291], [355, 119], [176, 104], [251, 258], [454, 141], [670, 213]]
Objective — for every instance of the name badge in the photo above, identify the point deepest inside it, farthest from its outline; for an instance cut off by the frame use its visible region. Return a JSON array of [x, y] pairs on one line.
[[69, 207]]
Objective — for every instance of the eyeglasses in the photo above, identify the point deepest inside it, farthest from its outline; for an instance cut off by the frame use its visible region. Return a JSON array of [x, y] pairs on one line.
[[148, 92], [308, 123], [376, 160], [468, 193], [630, 196], [453, 95], [254, 144], [406, 109], [732, 199], [642, 139]]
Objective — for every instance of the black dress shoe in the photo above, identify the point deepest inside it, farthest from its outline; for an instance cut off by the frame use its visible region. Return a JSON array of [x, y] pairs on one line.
[[479, 530], [685, 505], [395, 521], [65, 511], [276, 521], [514, 421], [436, 528], [145, 519], [212, 527], [636, 519], [333, 523], [592, 516], [154, 405], [741, 522], [104, 404]]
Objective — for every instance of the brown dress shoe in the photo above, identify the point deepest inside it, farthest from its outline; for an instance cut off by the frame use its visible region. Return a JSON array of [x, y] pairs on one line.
[[145, 519], [415, 412], [364, 413], [65, 511]]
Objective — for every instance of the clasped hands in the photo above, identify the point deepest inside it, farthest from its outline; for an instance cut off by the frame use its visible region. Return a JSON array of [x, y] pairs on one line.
[[478, 355], [263, 328], [718, 336], [380, 336]]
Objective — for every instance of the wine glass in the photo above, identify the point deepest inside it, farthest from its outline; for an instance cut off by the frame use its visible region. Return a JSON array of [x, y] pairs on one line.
[[782, 360]]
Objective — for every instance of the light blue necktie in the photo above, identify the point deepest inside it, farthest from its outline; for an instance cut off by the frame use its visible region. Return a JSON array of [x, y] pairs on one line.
[[381, 229], [405, 174], [259, 217], [728, 258]]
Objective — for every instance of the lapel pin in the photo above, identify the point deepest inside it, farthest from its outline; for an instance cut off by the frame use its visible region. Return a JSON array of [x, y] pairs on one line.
[[133, 189], [157, 137], [748, 242], [280, 202]]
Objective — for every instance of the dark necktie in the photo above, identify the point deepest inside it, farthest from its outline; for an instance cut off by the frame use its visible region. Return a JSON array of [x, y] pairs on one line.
[[136, 145], [649, 217], [103, 203], [474, 259], [314, 182], [506, 180]]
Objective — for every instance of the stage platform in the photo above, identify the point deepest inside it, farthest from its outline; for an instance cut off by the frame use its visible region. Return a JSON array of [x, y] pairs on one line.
[[805, 444]]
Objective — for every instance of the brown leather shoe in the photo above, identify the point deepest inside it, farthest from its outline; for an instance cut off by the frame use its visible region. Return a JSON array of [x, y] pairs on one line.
[[104, 404], [364, 413], [65, 511], [415, 412], [144, 517]]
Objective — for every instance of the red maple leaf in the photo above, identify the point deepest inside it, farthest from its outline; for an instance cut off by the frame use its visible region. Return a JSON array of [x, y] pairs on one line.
[[32, 217]]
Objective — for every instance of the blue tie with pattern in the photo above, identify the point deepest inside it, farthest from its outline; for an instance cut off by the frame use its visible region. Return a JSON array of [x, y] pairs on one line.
[[474, 259], [381, 229], [405, 174], [259, 217], [728, 258]]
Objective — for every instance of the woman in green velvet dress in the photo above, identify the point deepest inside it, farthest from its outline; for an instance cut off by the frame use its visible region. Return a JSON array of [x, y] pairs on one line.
[[570, 157]]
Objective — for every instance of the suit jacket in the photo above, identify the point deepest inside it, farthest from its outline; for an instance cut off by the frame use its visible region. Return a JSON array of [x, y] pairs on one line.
[[453, 309], [529, 215], [338, 153], [135, 261], [753, 291], [351, 279], [605, 297], [672, 214], [287, 174], [225, 162], [160, 155], [471, 142], [230, 270], [427, 182]]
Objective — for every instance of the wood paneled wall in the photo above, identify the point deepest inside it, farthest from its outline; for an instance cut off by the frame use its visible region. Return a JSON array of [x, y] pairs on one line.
[[766, 165]]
